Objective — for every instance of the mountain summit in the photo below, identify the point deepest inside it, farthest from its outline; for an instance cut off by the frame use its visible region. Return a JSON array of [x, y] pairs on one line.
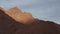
[[19, 16]]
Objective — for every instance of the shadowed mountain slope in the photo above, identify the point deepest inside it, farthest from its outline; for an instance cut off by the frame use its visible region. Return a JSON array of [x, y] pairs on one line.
[[10, 26], [7, 24], [41, 27]]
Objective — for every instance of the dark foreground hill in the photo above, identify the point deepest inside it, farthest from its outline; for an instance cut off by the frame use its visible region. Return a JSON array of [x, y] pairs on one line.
[[9, 26]]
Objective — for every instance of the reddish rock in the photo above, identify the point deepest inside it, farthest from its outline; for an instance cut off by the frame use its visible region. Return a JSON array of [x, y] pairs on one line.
[[19, 16], [9, 25]]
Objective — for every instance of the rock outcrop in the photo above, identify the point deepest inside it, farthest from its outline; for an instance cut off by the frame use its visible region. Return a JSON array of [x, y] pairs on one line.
[[19, 16]]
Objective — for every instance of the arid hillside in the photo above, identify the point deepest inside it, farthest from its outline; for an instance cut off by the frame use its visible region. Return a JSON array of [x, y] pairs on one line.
[[14, 21]]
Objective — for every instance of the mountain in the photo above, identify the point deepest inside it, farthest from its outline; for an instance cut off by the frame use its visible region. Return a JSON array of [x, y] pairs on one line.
[[19, 16], [10, 25]]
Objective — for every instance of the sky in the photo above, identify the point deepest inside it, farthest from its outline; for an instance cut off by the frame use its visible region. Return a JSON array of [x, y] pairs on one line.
[[48, 10]]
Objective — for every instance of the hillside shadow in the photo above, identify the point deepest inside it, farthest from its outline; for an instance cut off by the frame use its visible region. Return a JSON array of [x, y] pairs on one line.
[[8, 24]]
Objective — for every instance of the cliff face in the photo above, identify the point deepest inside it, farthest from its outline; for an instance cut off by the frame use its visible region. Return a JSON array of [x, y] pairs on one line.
[[9, 25]]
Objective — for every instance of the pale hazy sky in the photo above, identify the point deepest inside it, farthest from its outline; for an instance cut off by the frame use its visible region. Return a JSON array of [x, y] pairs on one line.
[[42, 9]]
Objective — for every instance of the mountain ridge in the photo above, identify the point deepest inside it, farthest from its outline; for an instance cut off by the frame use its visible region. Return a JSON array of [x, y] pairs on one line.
[[18, 15], [8, 25]]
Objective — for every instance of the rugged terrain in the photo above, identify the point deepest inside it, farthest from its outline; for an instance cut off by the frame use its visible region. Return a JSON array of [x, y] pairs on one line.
[[14, 21]]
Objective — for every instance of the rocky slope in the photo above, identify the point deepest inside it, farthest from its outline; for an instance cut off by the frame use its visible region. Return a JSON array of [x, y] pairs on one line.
[[10, 25]]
